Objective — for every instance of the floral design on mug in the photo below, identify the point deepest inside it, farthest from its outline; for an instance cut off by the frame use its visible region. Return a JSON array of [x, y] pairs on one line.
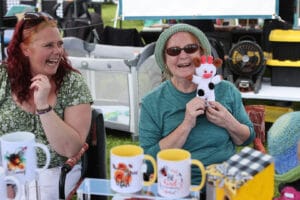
[[16, 161], [123, 174], [172, 180]]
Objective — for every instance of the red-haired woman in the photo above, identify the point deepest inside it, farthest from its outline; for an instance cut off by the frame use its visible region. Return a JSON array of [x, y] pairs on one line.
[[41, 93]]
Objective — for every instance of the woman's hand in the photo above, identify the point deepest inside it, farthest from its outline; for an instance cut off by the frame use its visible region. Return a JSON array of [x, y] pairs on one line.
[[177, 138], [41, 89], [194, 108], [216, 113]]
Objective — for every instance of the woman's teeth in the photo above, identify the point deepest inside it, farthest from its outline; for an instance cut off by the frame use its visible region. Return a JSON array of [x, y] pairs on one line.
[[52, 62], [184, 65]]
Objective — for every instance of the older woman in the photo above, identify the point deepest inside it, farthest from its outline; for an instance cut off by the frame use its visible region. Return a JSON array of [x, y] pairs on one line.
[[173, 117]]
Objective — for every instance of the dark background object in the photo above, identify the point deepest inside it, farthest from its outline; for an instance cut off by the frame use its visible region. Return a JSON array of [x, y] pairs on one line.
[[245, 66], [121, 37], [286, 10], [5, 23]]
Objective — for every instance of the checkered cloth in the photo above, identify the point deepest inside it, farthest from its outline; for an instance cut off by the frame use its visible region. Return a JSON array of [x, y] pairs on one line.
[[248, 161]]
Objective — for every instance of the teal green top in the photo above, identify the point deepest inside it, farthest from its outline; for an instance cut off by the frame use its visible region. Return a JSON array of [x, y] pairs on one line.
[[163, 109], [73, 91]]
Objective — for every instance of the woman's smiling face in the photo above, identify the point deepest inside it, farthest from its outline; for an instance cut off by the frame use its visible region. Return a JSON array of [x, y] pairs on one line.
[[44, 51], [181, 66]]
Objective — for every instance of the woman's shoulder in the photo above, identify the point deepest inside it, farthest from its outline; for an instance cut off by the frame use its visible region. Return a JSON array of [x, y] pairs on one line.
[[73, 79], [73, 75], [225, 85], [156, 92], [227, 89], [75, 87]]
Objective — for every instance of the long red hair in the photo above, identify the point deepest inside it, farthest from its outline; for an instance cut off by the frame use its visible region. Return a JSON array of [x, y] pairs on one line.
[[18, 67]]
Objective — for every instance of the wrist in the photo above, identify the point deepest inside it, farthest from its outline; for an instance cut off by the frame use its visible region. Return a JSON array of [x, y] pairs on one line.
[[44, 110], [186, 126]]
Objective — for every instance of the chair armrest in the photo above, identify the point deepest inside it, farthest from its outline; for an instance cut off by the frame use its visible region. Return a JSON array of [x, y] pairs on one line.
[[67, 167]]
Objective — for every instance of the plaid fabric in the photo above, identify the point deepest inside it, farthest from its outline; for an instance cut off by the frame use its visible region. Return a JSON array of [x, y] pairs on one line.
[[248, 161]]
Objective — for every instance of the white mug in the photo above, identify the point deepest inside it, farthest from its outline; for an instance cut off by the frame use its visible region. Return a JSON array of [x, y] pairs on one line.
[[19, 155], [3, 185], [174, 173], [126, 169]]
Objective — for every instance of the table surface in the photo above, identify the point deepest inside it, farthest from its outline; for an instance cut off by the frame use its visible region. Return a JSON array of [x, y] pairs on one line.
[[269, 92], [92, 186]]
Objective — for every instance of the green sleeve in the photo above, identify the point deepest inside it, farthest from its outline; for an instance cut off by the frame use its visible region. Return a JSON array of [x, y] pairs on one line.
[[149, 132], [75, 90], [241, 115]]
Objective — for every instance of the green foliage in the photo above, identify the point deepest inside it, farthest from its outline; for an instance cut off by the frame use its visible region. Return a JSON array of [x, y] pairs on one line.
[[115, 138], [109, 15]]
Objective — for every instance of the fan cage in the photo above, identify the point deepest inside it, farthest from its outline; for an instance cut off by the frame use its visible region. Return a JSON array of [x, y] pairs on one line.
[[246, 58]]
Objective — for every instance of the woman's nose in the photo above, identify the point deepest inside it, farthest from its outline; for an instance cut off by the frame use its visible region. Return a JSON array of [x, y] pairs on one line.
[[57, 49]]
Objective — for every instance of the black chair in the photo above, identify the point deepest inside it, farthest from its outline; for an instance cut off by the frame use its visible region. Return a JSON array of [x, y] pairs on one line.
[[121, 37], [92, 155], [50, 7], [28, 2], [84, 24]]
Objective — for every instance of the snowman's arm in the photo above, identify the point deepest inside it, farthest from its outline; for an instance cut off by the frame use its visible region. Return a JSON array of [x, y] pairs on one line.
[[196, 79], [216, 79]]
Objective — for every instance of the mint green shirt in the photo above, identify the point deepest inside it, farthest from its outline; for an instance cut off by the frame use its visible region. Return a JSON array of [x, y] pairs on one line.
[[163, 109], [73, 91]]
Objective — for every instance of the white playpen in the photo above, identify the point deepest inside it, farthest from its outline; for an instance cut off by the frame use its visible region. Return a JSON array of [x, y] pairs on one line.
[[118, 77]]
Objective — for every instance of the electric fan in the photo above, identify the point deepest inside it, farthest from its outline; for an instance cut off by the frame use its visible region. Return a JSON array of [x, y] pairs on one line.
[[245, 66]]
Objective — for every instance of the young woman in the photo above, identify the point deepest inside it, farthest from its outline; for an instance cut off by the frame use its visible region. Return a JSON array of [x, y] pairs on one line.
[[41, 93]]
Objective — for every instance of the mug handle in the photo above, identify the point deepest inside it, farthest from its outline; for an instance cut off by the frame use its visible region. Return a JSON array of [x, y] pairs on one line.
[[203, 175], [17, 183], [47, 152], [153, 178]]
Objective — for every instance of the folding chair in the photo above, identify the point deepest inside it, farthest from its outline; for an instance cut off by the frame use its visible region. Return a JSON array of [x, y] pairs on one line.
[[121, 37], [92, 155], [257, 116], [80, 22]]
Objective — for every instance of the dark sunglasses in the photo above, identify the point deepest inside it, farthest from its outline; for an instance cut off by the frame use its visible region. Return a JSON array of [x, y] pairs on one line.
[[175, 51], [34, 18], [37, 16]]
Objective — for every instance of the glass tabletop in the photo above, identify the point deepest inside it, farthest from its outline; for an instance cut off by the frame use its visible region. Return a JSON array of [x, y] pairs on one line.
[[92, 186]]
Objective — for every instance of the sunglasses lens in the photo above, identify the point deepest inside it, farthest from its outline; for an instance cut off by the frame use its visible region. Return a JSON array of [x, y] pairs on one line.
[[31, 15], [36, 15], [175, 51], [191, 48]]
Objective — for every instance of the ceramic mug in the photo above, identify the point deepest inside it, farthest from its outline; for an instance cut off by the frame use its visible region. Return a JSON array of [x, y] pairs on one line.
[[9, 179], [126, 169], [19, 155], [174, 173]]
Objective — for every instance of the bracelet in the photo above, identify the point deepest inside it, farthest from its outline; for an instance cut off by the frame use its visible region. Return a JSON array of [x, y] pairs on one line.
[[43, 111]]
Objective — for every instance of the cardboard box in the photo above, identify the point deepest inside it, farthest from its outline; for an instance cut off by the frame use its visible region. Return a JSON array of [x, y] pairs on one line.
[[247, 175]]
